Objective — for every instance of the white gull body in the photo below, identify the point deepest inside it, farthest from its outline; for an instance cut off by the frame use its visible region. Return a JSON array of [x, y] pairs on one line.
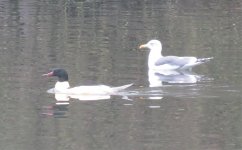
[[157, 61]]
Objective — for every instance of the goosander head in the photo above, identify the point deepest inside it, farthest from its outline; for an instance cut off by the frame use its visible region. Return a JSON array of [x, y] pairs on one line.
[[60, 73], [153, 45]]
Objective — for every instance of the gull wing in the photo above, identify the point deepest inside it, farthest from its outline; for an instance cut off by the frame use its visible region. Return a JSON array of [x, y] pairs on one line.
[[175, 61]]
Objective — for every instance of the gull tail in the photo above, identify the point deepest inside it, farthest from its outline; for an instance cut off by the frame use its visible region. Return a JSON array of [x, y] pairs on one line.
[[120, 88], [204, 60], [197, 62]]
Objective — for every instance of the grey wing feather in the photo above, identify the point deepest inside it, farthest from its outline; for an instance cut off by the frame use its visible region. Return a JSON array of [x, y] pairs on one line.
[[173, 60]]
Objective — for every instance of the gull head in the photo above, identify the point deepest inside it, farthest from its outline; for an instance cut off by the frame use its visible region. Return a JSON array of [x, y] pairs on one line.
[[152, 45]]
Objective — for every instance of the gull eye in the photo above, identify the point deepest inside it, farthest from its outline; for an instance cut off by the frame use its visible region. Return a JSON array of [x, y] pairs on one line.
[[152, 44]]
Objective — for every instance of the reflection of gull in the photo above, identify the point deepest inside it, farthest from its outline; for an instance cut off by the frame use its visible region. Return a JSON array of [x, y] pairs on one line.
[[63, 91], [158, 62], [157, 78]]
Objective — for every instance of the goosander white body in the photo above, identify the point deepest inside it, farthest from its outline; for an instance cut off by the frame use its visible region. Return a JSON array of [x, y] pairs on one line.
[[158, 62], [62, 86]]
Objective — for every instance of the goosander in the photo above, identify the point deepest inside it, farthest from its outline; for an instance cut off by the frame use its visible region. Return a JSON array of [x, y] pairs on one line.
[[62, 86], [158, 62]]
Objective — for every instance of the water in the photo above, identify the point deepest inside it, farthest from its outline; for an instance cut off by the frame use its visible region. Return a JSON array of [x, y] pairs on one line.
[[97, 42]]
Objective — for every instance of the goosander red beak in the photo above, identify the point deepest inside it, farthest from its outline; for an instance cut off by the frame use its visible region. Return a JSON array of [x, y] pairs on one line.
[[48, 74]]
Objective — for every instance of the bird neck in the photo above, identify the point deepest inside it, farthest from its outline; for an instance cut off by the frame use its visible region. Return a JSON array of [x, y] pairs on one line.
[[62, 85], [154, 55], [63, 78]]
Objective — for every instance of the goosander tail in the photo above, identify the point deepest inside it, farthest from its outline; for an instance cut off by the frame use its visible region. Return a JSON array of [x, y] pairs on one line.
[[120, 88]]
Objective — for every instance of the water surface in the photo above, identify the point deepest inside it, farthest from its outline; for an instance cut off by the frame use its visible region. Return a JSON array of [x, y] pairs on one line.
[[97, 42]]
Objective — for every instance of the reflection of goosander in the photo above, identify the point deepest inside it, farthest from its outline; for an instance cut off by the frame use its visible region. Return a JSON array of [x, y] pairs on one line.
[[158, 62], [62, 88], [157, 79]]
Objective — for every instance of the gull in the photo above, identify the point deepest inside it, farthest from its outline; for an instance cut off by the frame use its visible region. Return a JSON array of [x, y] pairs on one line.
[[157, 61]]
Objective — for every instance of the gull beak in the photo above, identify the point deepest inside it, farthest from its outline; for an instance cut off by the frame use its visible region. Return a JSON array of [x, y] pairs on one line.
[[142, 46], [48, 74]]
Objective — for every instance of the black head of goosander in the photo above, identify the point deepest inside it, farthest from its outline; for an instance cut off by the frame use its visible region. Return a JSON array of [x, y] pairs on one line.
[[60, 73]]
